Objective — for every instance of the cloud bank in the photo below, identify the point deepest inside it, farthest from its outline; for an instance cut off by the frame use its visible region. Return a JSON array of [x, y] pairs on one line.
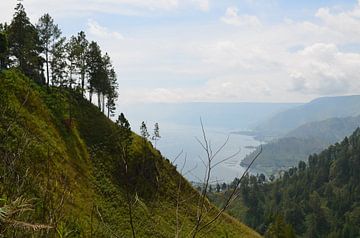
[[201, 50]]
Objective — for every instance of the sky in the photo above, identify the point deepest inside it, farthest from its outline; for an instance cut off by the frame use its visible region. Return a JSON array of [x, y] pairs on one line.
[[218, 50]]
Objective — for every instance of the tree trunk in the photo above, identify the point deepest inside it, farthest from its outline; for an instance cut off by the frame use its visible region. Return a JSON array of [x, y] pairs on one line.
[[47, 67], [99, 100], [82, 83], [70, 80], [90, 95], [103, 103]]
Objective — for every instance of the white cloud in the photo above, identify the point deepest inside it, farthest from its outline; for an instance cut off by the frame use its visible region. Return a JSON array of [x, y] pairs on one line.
[[204, 5], [292, 60], [76, 8], [323, 69], [7, 9], [233, 18], [345, 23], [95, 29]]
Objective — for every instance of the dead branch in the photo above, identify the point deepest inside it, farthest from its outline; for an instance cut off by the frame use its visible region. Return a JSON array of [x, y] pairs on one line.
[[209, 164]]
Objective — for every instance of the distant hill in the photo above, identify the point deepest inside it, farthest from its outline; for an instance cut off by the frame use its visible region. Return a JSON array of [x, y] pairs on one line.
[[316, 110], [231, 116], [329, 131], [301, 142], [282, 154]]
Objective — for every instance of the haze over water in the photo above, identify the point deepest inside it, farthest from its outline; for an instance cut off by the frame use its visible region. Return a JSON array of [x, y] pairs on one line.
[[180, 126]]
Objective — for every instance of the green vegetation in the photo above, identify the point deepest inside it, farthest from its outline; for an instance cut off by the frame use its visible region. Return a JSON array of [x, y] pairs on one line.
[[41, 49], [62, 154], [318, 199], [67, 170], [282, 154], [301, 142]]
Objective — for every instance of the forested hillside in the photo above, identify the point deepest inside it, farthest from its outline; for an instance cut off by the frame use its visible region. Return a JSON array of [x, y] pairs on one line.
[[301, 142], [320, 198]]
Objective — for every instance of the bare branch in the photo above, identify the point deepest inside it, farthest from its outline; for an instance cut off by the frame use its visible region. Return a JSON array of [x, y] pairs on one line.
[[190, 170], [227, 158], [233, 195], [203, 161], [181, 152], [222, 146]]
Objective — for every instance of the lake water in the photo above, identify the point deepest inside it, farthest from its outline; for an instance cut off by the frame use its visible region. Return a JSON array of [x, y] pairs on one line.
[[181, 139], [180, 126]]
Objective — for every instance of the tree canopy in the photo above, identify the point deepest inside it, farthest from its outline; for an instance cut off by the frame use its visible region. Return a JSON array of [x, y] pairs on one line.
[[74, 64]]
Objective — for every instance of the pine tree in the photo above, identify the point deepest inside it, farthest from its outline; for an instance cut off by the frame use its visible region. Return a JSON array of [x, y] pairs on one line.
[[95, 67], [4, 47], [104, 86], [112, 93], [81, 51], [156, 136], [49, 33], [24, 45], [71, 57], [59, 64], [143, 131], [124, 125]]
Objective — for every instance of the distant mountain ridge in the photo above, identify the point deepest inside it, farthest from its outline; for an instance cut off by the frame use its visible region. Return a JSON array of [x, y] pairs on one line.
[[301, 142], [329, 131], [232, 116], [316, 110]]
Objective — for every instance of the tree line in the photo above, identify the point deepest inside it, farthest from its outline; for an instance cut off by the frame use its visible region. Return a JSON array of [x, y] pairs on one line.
[[320, 198], [42, 53]]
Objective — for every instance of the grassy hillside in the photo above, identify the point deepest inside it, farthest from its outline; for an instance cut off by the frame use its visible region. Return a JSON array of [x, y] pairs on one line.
[[58, 156], [301, 142]]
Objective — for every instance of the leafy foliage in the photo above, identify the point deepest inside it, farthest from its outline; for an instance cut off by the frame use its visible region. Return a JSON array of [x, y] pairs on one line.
[[75, 63], [318, 199], [24, 44]]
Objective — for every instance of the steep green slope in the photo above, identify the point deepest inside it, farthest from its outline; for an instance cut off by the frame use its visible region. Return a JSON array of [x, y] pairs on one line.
[[318, 199], [59, 151], [301, 142]]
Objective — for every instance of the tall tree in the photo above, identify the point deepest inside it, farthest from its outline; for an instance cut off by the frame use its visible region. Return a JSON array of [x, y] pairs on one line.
[[24, 45], [143, 131], [112, 93], [71, 57], [80, 56], [49, 33], [59, 64], [156, 136], [95, 69], [105, 86], [4, 46]]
